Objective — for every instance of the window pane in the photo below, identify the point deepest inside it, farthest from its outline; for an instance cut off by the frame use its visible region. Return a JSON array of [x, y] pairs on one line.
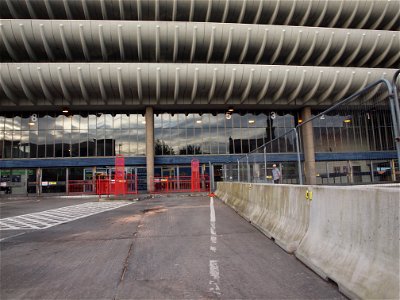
[[50, 143], [92, 122], [75, 119], [67, 143], [84, 123], [58, 141], [109, 143], [17, 123], [141, 142], [124, 121], [75, 143], [92, 143], [59, 122], [25, 147], [109, 121], [16, 144], [83, 146], [42, 143]]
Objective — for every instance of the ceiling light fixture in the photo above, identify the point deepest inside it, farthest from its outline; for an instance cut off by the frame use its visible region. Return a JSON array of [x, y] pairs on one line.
[[251, 121], [65, 110]]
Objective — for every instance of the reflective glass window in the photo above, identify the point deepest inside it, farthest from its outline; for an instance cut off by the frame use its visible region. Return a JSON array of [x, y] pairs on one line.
[[67, 136], [84, 123], [75, 141], [75, 122], [58, 143], [2, 120], [92, 121], [25, 146], [50, 143], [59, 123], [16, 143], [141, 134], [125, 121]]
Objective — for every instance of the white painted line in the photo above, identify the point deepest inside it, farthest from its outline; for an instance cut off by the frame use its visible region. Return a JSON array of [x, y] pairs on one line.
[[214, 268], [9, 237], [53, 217], [212, 210], [214, 274]]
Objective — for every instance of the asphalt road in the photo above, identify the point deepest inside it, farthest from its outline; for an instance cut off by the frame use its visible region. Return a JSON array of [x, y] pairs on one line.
[[162, 248]]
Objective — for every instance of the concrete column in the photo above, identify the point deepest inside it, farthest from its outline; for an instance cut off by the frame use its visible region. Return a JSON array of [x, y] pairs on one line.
[[67, 181], [149, 117], [393, 168], [38, 181], [350, 170], [308, 147], [26, 182], [256, 172]]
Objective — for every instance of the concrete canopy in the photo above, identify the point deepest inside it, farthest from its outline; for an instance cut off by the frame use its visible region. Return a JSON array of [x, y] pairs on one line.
[[129, 54], [381, 14], [80, 85], [63, 40]]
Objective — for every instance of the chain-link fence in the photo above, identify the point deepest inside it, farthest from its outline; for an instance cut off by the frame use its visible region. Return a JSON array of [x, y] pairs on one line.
[[352, 142]]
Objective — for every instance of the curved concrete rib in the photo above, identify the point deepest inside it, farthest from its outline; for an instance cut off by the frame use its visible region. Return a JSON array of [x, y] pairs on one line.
[[161, 84], [199, 42], [377, 14]]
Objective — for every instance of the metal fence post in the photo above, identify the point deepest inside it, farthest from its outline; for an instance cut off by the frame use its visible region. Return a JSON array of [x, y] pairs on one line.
[[248, 168], [265, 163], [396, 97], [67, 181], [211, 175], [372, 172], [298, 156], [395, 126], [238, 171], [225, 172]]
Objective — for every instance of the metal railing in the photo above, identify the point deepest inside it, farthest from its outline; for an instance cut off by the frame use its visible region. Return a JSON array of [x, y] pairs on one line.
[[369, 122], [180, 184]]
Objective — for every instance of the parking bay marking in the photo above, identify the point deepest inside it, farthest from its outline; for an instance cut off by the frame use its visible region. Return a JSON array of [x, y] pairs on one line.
[[53, 217]]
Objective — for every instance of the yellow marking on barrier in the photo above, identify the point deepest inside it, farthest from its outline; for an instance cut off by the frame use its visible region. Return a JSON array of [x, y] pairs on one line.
[[309, 195]]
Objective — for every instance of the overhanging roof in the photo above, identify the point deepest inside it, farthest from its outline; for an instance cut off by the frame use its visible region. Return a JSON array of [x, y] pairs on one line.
[[372, 14], [35, 85], [64, 40]]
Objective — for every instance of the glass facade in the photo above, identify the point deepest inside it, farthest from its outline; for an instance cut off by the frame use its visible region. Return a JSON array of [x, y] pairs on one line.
[[107, 135], [354, 132], [99, 135], [72, 136]]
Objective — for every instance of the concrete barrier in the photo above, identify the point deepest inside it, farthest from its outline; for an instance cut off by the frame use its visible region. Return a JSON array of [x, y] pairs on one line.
[[279, 211], [284, 213], [346, 234], [353, 239], [235, 196]]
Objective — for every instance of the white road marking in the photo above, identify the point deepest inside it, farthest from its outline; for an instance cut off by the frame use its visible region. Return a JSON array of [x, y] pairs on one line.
[[214, 269], [9, 237], [214, 273], [53, 217]]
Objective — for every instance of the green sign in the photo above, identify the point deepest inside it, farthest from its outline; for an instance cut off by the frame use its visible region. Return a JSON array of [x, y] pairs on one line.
[[15, 172]]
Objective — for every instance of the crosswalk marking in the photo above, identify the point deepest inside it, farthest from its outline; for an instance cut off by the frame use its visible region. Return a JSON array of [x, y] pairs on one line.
[[53, 217]]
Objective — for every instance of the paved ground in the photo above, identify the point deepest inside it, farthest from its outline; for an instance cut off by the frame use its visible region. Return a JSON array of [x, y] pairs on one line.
[[167, 247]]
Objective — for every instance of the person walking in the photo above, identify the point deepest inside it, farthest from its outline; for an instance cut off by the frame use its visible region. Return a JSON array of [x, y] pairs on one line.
[[276, 174]]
